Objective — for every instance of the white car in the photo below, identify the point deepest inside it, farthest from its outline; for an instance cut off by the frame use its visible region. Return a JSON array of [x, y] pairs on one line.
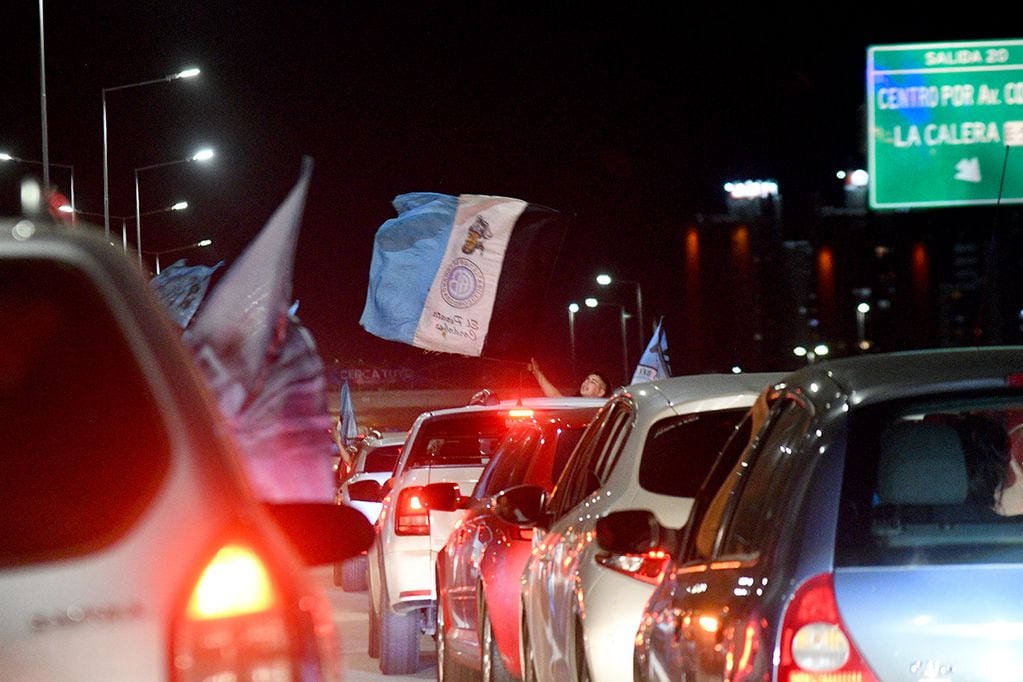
[[131, 545], [363, 489], [444, 447], [649, 447]]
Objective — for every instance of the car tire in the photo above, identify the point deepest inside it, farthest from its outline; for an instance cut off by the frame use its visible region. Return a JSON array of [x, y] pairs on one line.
[[374, 632], [491, 663], [353, 574], [399, 641], [528, 663]]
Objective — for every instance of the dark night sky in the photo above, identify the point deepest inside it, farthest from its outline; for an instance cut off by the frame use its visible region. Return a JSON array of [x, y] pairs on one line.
[[628, 120]]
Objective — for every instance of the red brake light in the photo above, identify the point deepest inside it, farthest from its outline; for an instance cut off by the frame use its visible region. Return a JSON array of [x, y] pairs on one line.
[[411, 516], [235, 626], [520, 413], [646, 567], [815, 645]]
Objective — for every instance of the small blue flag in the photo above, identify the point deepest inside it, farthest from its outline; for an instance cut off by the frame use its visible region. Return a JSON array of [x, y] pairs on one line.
[[654, 363]]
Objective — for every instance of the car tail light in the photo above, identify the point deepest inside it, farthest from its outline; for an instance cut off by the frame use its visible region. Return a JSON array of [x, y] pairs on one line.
[[234, 625], [520, 413], [647, 566], [815, 645], [411, 516]]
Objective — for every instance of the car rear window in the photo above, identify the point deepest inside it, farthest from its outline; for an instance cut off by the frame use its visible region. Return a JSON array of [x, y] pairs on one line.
[[459, 440], [83, 448], [680, 450], [382, 459], [934, 483]]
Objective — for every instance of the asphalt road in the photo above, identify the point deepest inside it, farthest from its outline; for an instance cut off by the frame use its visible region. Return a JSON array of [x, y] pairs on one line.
[[352, 620]]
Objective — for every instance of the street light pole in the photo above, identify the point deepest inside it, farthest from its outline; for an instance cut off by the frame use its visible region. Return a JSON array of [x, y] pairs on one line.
[[573, 308], [605, 280], [201, 155], [187, 73], [199, 244], [179, 206]]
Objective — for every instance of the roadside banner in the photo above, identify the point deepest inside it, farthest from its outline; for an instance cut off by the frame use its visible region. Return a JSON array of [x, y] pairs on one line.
[[463, 275], [654, 363]]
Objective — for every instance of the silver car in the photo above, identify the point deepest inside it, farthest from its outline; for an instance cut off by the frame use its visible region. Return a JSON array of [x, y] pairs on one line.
[[870, 530], [131, 545], [649, 447]]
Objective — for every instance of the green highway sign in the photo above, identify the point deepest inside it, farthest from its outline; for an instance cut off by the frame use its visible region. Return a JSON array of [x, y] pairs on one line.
[[942, 121]]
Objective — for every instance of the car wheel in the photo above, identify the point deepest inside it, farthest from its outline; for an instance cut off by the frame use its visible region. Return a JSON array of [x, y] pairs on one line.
[[399, 641], [374, 632], [353, 574], [491, 662], [528, 662]]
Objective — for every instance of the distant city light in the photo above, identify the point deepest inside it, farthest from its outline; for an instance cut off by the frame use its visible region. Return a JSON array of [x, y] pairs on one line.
[[736, 369], [752, 189], [860, 177], [591, 302]]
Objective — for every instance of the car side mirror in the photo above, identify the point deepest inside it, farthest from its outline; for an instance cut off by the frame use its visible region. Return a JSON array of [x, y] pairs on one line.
[[633, 531], [523, 505], [323, 533], [365, 491], [444, 496], [386, 486]]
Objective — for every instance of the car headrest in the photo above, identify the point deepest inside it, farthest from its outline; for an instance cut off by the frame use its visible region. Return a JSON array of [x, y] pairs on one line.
[[922, 463]]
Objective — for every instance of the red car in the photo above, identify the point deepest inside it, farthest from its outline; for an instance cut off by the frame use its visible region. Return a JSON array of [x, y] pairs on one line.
[[480, 566]]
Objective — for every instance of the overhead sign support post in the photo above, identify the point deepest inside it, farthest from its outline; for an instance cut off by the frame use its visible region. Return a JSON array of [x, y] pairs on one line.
[[940, 119]]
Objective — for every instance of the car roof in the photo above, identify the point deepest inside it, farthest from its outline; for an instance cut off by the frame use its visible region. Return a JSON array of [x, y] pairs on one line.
[[888, 376], [556, 403], [654, 395]]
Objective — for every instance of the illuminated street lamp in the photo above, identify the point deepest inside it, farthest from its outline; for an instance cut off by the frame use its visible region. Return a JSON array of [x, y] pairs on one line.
[[187, 73], [201, 155], [199, 244], [606, 280], [4, 156]]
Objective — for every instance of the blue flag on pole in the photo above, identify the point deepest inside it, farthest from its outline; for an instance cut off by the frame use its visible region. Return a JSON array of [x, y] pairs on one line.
[[347, 426], [462, 274], [654, 363]]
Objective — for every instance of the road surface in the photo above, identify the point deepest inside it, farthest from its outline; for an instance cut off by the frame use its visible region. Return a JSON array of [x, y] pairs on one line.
[[351, 616]]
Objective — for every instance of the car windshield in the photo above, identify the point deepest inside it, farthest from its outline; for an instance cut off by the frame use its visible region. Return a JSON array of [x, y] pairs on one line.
[[934, 483]]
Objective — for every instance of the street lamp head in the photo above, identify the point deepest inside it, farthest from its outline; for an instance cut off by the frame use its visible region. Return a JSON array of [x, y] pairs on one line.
[[202, 155], [187, 73], [573, 307], [204, 242], [590, 302], [603, 279], [4, 156], [180, 206]]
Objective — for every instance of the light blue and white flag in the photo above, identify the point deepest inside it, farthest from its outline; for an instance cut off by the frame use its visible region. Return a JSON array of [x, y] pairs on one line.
[[347, 426], [462, 274], [654, 363]]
